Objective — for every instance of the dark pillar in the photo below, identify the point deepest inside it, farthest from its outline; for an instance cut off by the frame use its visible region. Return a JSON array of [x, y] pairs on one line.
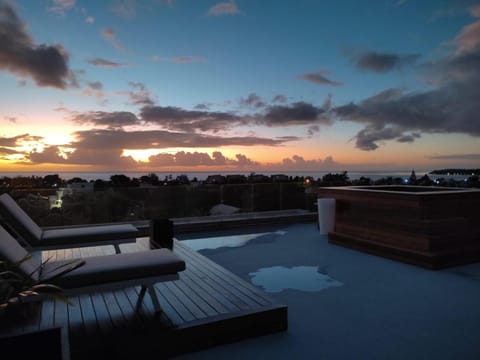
[[161, 233]]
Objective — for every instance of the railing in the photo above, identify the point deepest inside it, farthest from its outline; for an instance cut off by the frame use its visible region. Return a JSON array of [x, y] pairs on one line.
[[122, 204]]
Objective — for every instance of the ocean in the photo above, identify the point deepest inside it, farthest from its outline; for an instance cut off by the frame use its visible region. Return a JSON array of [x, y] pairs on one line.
[[202, 175]]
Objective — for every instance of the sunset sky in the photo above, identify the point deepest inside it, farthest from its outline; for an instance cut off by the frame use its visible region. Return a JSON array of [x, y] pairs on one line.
[[251, 85]]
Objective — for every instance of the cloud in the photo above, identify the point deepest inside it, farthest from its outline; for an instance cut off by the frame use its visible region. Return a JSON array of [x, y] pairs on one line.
[[60, 6], [84, 156], [105, 146], [320, 79], [367, 138], [11, 119], [179, 59], [104, 63], [13, 141], [224, 8], [450, 105], [298, 113], [125, 8], [6, 152], [473, 157], [116, 119], [383, 62], [178, 119], [202, 106], [253, 100], [475, 11], [468, 41], [192, 159], [94, 89], [409, 138], [201, 120], [297, 162], [89, 19], [110, 35], [46, 64], [159, 139], [188, 59], [140, 94], [17, 146], [279, 99], [96, 85]]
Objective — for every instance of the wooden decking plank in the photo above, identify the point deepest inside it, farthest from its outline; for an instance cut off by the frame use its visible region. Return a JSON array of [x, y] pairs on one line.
[[49, 255], [88, 315], [201, 264], [128, 309], [101, 312], [60, 254], [218, 287], [68, 253], [116, 313], [179, 307], [254, 293], [146, 310], [146, 313], [75, 318], [221, 295], [187, 298], [48, 314], [61, 313], [205, 297], [84, 252], [170, 312], [76, 253]]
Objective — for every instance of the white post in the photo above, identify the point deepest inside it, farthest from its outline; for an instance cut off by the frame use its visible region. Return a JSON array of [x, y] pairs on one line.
[[326, 215]]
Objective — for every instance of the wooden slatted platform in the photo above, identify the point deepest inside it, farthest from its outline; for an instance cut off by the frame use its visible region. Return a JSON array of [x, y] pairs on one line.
[[208, 306]]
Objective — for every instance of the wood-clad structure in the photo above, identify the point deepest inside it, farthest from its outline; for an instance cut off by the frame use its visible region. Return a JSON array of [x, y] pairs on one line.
[[433, 227]]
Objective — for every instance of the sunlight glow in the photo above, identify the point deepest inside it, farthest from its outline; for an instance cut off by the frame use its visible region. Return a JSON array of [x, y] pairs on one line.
[[142, 155]]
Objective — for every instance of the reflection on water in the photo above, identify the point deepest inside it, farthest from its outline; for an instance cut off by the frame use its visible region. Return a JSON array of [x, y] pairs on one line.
[[305, 278], [225, 241]]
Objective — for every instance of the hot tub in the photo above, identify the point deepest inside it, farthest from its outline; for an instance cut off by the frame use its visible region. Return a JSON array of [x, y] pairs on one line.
[[434, 227]]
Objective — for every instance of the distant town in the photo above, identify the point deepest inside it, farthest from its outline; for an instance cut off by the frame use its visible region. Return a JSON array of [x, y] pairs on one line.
[[53, 201], [151, 179]]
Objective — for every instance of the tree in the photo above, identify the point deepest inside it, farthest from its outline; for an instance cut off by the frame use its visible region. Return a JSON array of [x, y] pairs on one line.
[[335, 179], [120, 180], [52, 180]]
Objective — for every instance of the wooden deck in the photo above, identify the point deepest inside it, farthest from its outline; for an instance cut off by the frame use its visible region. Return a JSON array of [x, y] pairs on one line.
[[208, 306]]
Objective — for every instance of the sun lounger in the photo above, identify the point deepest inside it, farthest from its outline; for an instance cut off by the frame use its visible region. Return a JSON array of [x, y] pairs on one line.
[[97, 273], [18, 222]]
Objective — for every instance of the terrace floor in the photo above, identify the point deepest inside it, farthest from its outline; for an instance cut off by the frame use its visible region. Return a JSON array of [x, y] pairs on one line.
[[346, 304], [342, 304]]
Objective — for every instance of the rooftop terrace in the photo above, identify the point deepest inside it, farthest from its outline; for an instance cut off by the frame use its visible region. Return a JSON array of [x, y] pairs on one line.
[[342, 303], [346, 304]]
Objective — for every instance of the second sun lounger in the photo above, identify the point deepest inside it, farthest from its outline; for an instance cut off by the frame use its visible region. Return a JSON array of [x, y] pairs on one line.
[[18, 222]]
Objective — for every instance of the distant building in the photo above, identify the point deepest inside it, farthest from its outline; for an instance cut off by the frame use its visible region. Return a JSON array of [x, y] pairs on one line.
[[81, 186], [413, 178], [215, 179], [236, 179], [259, 178], [280, 178]]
